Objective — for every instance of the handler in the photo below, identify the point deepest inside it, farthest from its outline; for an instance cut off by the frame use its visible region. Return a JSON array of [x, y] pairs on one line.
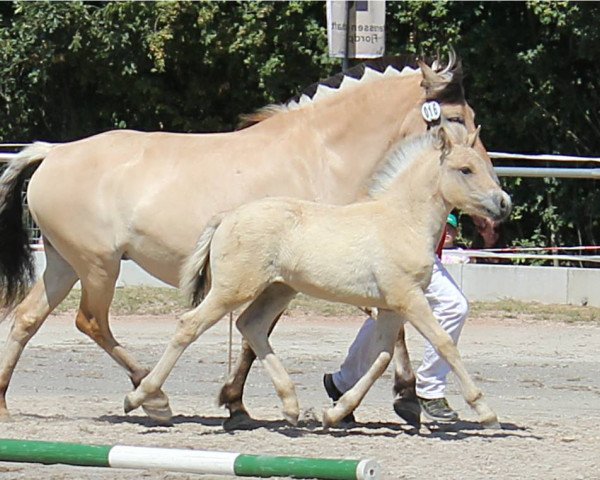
[[450, 307]]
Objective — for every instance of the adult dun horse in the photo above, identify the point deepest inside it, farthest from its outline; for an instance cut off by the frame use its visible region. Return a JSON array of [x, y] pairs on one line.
[[375, 253], [147, 196]]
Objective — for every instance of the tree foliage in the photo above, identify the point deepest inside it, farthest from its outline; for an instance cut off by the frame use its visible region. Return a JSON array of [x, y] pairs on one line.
[[72, 69]]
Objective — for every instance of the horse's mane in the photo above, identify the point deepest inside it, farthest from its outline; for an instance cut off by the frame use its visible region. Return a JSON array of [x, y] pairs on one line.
[[449, 89]]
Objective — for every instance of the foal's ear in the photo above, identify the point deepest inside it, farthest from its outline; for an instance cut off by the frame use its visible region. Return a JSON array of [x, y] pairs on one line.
[[444, 139], [472, 138]]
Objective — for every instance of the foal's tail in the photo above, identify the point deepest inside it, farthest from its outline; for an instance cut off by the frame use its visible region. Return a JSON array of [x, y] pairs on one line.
[[17, 268], [195, 273]]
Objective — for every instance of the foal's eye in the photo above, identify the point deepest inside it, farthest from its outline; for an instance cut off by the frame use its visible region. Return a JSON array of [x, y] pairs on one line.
[[466, 170]]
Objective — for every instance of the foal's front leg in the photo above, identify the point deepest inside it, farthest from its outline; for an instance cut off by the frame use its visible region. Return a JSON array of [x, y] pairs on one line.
[[419, 314], [386, 331]]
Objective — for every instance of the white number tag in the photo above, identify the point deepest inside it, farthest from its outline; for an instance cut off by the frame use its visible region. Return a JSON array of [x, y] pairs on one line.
[[431, 111]]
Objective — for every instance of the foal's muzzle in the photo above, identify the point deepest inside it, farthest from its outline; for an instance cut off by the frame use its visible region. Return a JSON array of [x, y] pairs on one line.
[[501, 206]]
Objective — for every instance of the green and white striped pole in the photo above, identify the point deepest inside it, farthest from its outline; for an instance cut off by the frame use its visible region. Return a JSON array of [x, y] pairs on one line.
[[190, 461]]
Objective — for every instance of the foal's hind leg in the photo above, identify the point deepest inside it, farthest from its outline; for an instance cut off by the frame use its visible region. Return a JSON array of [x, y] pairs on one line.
[[28, 316], [232, 390], [255, 324], [380, 351], [190, 326], [97, 291], [406, 404]]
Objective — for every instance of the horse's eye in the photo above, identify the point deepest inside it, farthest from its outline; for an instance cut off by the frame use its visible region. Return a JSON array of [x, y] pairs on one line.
[[457, 120], [466, 170]]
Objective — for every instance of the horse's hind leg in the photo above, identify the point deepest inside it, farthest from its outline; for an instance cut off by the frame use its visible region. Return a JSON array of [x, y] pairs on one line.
[[255, 324], [28, 316], [232, 391], [406, 404], [97, 291]]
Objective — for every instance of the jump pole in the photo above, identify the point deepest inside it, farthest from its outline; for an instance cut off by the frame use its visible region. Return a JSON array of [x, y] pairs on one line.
[[189, 461]]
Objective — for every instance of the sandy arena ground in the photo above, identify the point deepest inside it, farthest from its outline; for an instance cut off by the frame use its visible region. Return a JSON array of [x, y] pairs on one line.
[[541, 377]]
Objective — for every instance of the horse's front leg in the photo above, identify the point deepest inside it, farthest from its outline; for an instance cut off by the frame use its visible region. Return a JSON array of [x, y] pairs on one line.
[[406, 404], [231, 394], [419, 314], [380, 352]]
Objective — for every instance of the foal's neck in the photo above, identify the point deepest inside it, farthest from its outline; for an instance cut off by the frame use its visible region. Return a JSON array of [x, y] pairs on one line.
[[415, 198]]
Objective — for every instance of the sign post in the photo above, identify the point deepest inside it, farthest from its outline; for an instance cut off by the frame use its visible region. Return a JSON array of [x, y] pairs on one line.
[[356, 29]]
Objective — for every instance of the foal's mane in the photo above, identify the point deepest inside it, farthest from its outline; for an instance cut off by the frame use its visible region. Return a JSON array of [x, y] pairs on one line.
[[449, 90], [401, 155], [399, 158]]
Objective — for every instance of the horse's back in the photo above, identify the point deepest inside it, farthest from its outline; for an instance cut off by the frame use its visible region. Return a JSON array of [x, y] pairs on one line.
[[147, 196]]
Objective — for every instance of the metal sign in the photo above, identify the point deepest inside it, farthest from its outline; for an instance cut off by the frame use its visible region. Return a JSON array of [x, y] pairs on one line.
[[366, 36]]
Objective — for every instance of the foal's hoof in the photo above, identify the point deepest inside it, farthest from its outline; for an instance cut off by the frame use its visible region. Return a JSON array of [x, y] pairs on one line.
[[329, 419], [128, 404], [492, 425], [158, 409], [239, 420], [291, 418]]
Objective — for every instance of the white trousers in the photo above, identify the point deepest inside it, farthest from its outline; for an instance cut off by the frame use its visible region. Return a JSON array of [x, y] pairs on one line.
[[450, 308]]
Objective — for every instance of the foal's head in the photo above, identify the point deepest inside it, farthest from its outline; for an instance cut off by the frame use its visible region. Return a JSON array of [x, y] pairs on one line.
[[467, 179]]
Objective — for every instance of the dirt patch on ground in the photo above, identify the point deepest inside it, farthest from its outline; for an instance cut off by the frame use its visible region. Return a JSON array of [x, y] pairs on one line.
[[541, 377]]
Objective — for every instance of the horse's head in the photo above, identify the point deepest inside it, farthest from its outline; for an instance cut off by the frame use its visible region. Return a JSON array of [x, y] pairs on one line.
[[444, 86], [467, 180]]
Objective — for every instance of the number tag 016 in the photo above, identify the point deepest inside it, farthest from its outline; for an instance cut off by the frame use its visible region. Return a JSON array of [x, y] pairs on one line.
[[431, 111]]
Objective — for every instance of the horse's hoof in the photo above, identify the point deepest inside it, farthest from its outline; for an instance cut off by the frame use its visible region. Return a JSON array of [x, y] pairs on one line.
[[5, 416], [409, 410], [239, 420]]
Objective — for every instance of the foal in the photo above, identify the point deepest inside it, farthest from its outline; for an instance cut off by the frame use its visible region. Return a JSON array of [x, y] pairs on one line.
[[376, 253]]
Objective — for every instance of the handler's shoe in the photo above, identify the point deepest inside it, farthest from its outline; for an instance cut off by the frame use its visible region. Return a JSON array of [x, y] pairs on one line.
[[437, 410], [335, 395]]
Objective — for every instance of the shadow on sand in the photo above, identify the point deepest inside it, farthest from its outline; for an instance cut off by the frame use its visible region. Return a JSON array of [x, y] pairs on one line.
[[460, 430]]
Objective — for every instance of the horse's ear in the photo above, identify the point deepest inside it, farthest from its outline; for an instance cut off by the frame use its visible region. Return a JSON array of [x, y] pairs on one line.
[[430, 78], [472, 138]]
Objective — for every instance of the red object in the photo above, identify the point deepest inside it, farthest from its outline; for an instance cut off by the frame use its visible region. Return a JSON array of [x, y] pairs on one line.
[[438, 250]]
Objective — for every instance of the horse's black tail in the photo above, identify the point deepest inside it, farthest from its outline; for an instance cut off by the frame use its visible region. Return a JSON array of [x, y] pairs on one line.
[[17, 268]]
